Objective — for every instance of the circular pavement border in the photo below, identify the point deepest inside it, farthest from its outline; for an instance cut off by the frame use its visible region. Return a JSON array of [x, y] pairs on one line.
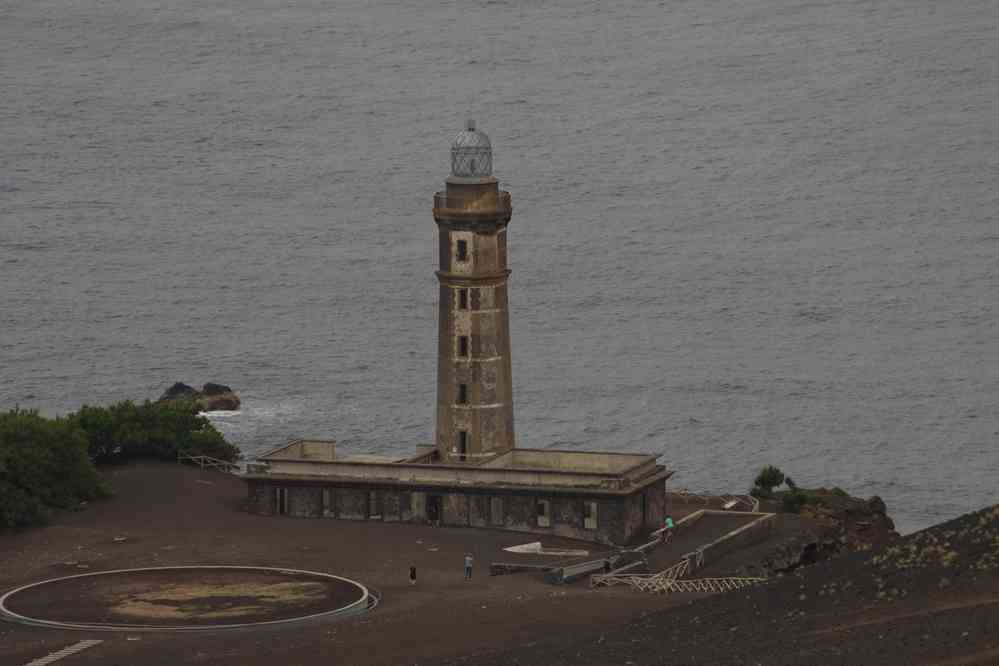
[[366, 601]]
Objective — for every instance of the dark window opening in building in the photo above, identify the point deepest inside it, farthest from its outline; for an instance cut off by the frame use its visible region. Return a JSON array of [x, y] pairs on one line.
[[374, 505], [327, 501], [463, 346], [462, 444], [433, 508], [462, 394], [462, 250], [281, 501], [496, 510], [590, 517], [463, 299], [544, 513]]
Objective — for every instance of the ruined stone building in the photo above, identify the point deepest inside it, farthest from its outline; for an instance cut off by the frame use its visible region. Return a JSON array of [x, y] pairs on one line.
[[473, 475]]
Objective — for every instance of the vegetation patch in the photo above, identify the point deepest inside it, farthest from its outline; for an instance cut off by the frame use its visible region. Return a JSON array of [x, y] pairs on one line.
[[794, 498], [193, 601], [48, 464]]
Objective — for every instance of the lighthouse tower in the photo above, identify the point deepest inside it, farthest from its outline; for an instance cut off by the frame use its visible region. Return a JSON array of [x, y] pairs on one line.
[[474, 385]]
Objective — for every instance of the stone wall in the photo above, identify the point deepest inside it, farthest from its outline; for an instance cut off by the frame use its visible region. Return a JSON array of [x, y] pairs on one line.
[[655, 500], [260, 499], [305, 502], [479, 509], [618, 518], [391, 507], [351, 504], [455, 509]]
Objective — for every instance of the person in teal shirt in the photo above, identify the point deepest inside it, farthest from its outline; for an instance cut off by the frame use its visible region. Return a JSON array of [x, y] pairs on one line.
[[668, 528]]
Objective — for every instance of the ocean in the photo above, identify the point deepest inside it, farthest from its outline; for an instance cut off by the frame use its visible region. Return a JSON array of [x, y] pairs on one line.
[[747, 233]]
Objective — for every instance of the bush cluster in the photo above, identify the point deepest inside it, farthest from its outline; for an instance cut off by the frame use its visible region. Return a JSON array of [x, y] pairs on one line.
[[43, 466], [769, 478], [793, 498], [49, 463], [162, 430]]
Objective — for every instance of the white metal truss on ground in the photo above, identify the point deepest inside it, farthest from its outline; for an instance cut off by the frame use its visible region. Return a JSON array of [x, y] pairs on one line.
[[657, 582], [65, 652], [671, 580], [712, 584]]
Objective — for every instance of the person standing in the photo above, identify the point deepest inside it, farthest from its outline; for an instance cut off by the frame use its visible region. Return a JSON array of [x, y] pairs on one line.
[[468, 566], [668, 529], [412, 575]]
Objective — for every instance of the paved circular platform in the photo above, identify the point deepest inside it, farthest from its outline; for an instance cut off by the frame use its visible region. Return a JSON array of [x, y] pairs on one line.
[[188, 598]]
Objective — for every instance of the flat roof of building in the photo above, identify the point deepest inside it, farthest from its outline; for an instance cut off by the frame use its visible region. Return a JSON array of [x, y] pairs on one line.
[[556, 460]]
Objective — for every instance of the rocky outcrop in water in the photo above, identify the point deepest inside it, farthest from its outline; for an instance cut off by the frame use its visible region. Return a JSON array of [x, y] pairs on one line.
[[212, 397]]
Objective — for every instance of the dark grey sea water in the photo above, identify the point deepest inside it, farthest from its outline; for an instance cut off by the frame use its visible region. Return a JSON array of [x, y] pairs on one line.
[[744, 232]]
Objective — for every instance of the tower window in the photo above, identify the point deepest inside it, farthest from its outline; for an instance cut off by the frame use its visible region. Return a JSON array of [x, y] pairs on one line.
[[462, 444], [463, 346], [462, 394], [462, 250], [463, 299]]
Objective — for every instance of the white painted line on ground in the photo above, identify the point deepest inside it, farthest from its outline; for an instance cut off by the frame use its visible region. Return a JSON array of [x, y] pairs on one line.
[[65, 652]]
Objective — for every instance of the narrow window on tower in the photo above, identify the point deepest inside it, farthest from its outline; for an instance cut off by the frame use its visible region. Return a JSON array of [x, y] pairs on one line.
[[463, 346], [462, 250], [463, 299], [462, 394], [462, 444]]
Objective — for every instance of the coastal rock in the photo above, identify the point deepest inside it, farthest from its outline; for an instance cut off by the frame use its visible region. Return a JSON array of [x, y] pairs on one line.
[[836, 523], [856, 523], [226, 400], [179, 391], [212, 397]]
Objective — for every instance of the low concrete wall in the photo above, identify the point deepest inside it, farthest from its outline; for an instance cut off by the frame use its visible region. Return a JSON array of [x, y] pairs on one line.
[[747, 535], [689, 521]]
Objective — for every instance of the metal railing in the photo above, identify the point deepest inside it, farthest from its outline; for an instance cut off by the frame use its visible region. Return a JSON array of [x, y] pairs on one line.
[[211, 463], [487, 203]]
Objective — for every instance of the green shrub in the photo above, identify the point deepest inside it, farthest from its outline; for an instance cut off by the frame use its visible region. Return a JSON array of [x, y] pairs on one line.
[[769, 478], [48, 464], [793, 500], [43, 466], [160, 430]]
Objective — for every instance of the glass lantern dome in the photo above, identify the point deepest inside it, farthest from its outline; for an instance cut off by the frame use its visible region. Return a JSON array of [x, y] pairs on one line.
[[471, 153]]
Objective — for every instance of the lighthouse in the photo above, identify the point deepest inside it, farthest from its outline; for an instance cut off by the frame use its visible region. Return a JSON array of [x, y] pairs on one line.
[[473, 476], [474, 383]]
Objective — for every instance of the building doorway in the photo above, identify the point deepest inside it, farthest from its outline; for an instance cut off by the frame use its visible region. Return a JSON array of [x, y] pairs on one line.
[[434, 509], [281, 501]]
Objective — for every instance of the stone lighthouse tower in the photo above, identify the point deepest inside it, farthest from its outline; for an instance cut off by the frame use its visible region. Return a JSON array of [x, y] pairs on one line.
[[474, 385]]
